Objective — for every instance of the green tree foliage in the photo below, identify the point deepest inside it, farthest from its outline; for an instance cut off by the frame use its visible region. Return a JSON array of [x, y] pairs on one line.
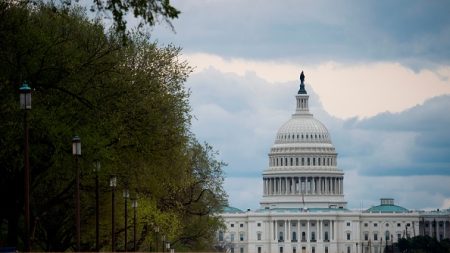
[[129, 105], [146, 12], [423, 244]]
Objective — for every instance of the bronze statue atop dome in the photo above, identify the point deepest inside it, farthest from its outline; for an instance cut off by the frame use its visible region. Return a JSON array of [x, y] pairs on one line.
[[302, 85]]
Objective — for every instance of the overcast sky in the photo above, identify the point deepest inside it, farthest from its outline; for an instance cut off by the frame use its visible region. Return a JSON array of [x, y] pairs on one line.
[[378, 77]]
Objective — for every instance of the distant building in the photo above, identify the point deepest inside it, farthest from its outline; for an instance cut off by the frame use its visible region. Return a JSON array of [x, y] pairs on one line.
[[303, 207]]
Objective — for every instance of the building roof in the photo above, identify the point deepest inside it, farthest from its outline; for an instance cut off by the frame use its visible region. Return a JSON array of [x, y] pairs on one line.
[[230, 209], [387, 206]]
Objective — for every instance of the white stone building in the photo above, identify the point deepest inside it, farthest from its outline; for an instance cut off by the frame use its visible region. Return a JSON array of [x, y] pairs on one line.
[[303, 207]]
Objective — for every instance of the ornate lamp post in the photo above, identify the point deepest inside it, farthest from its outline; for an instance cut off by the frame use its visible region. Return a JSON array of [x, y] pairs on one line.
[[97, 167], [113, 184], [134, 205], [25, 104], [76, 152], [126, 196]]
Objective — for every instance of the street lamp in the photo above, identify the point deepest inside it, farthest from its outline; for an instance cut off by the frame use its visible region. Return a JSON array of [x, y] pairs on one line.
[[134, 205], [163, 242], [25, 104], [76, 152], [168, 246], [113, 184], [97, 167], [157, 239], [126, 195]]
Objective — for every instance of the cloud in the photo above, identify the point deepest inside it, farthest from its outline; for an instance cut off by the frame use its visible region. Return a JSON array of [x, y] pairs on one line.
[[414, 33], [374, 88]]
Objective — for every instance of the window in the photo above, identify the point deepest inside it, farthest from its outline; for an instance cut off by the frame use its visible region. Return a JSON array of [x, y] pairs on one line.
[[309, 163], [348, 224], [241, 236], [296, 161], [326, 249], [292, 161], [313, 250], [294, 236], [232, 250], [387, 224], [366, 224], [281, 249], [366, 236], [303, 237], [259, 224], [280, 237], [314, 161], [313, 224], [375, 237], [303, 161], [313, 236], [387, 235], [241, 250], [349, 249], [326, 236], [325, 224], [259, 249], [241, 225], [398, 224], [258, 235], [294, 250], [232, 225], [232, 237], [375, 224], [220, 236], [348, 236]]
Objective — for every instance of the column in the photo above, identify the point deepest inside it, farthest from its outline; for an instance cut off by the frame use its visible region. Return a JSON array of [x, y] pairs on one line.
[[307, 230], [313, 185], [320, 185], [288, 229], [275, 230], [332, 230], [319, 232], [286, 185]]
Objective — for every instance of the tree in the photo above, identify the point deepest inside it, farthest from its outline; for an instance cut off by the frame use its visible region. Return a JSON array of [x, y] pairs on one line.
[[147, 12], [128, 104]]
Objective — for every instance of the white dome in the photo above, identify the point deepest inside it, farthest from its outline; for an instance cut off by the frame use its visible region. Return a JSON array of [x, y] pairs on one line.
[[302, 128]]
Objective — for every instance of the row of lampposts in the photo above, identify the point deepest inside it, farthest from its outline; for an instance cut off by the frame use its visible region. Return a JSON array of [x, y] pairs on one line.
[[25, 104]]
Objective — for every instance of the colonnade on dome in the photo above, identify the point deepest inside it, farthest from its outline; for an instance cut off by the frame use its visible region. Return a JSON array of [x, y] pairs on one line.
[[307, 185]]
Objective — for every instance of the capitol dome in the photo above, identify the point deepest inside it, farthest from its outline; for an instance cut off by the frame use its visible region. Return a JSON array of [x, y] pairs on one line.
[[302, 168]]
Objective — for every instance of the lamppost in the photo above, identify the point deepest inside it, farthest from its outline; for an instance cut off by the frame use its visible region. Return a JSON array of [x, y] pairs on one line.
[[25, 104], [97, 167], [163, 242], [76, 152], [157, 239], [126, 195], [113, 185], [168, 246], [134, 205]]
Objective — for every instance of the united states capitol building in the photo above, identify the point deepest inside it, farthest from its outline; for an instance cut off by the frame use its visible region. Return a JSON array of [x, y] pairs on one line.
[[303, 208]]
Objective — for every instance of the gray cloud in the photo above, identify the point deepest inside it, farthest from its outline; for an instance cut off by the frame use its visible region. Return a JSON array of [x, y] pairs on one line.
[[415, 33]]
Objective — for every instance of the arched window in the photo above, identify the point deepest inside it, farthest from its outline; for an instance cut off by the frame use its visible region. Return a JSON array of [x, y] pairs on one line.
[[294, 236], [387, 235], [280, 236]]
